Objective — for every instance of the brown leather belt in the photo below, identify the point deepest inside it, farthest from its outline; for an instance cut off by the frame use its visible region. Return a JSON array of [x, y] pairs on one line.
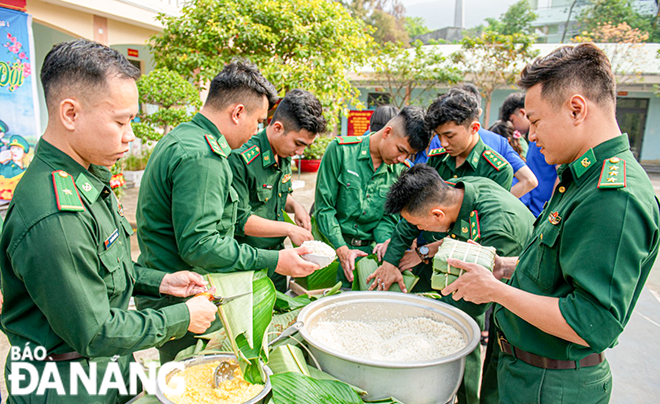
[[356, 242], [69, 356], [547, 363]]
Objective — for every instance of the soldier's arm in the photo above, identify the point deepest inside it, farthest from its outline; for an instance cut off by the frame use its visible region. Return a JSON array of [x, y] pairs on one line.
[[205, 240], [402, 237], [505, 177], [325, 200], [385, 228], [526, 181], [69, 288], [240, 184]]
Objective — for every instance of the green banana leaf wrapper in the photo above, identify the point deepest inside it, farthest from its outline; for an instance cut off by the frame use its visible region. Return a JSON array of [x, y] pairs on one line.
[[444, 274], [368, 265]]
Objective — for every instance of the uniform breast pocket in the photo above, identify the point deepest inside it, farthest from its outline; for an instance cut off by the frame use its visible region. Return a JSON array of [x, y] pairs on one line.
[[264, 195], [113, 272], [228, 219], [547, 258], [349, 193]]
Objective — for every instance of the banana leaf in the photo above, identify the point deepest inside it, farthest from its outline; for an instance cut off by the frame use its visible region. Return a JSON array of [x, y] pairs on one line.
[[324, 277], [292, 387], [247, 319], [286, 303], [368, 265], [444, 274], [288, 358]]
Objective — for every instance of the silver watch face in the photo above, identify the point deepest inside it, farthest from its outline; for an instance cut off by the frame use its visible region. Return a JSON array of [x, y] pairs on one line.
[[424, 250]]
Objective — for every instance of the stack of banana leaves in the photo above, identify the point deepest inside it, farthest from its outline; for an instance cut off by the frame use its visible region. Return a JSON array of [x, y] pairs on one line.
[[444, 274], [248, 328]]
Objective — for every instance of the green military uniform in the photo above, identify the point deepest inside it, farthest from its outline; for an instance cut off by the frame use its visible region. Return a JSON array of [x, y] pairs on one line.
[[187, 212], [489, 215], [263, 185], [10, 169], [350, 196], [482, 161], [592, 247], [67, 274]]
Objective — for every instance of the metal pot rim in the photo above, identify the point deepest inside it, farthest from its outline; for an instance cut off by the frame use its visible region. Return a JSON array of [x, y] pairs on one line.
[[390, 297]]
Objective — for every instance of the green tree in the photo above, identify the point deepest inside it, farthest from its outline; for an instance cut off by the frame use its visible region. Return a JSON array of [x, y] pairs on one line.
[[493, 60], [517, 19], [308, 44], [422, 68], [386, 17], [174, 97], [615, 12], [415, 26]]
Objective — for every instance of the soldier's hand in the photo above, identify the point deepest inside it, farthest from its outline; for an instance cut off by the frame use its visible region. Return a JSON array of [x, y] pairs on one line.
[[289, 263], [476, 285], [381, 249], [183, 284], [299, 235], [386, 275], [409, 260], [302, 217], [347, 260], [202, 313]]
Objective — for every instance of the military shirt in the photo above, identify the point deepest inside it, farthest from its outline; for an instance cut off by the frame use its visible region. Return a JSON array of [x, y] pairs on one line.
[[482, 161], [67, 274], [263, 186], [187, 207], [592, 247], [10, 169], [350, 194], [489, 215]]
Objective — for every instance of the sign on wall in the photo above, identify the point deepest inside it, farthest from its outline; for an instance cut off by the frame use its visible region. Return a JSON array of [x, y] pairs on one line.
[[358, 122], [18, 99]]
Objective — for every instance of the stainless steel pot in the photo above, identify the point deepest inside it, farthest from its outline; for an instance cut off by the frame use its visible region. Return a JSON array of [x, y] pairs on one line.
[[415, 382], [198, 360]]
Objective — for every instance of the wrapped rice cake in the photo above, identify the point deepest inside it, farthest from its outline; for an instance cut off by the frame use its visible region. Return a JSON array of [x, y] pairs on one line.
[[444, 274]]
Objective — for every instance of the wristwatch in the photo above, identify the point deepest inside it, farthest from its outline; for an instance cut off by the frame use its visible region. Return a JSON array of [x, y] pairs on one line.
[[423, 253]]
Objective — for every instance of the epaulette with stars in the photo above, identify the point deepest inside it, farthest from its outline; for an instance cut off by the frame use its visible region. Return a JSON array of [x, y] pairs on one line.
[[66, 192], [613, 174], [494, 159], [349, 139], [250, 154], [437, 152], [213, 144]]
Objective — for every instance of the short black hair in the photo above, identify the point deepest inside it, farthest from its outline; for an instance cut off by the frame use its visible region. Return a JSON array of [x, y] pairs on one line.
[[511, 104], [416, 189], [240, 82], [470, 88], [411, 120], [458, 106], [300, 109], [83, 65], [382, 116], [584, 68]]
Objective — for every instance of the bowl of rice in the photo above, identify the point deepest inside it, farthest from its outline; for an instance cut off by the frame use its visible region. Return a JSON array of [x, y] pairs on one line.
[[372, 339], [198, 381], [321, 254]]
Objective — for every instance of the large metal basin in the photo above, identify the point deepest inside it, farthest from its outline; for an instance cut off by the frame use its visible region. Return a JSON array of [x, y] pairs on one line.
[[414, 382], [198, 360]]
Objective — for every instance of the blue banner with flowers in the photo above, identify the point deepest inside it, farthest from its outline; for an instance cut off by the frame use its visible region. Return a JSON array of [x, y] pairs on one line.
[[18, 99]]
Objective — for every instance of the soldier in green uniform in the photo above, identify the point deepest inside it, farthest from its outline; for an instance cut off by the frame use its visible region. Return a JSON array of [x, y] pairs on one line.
[[187, 207], [576, 283], [262, 176], [355, 175], [455, 119], [469, 208], [67, 274], [18, 147]]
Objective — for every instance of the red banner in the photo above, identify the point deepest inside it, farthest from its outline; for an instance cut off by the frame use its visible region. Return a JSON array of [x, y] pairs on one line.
[[19, 5], [358, 122]]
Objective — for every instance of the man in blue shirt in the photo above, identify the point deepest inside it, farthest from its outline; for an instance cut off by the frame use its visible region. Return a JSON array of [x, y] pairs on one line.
[[513, 110]]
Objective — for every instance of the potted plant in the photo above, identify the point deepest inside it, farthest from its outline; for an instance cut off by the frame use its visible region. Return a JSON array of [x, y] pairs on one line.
[[313, 154]]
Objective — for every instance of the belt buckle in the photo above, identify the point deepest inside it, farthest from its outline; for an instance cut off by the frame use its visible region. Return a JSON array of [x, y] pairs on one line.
[[500, 340], [356, 243]]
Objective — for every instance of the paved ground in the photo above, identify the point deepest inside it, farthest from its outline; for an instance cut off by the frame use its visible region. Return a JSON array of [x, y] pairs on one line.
[[635, 362]]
